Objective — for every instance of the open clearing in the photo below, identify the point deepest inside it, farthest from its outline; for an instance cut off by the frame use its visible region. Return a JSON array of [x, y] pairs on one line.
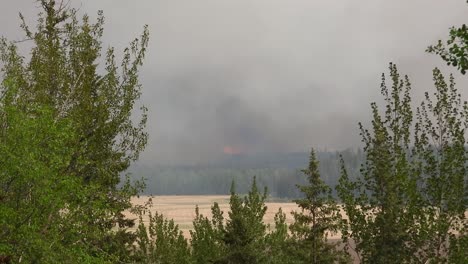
[[181, 208]]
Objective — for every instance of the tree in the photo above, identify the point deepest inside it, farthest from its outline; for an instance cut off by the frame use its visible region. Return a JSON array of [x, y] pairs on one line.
[[376, 204], [319, 216], [440, 162], [278, 242], [454, 51], [245, 230], [409, 202], [32, 187], [207, 236], [60, 84], [241, 238], [159, 240]]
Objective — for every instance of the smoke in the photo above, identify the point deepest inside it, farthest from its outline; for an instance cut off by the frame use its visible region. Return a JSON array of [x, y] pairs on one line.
[[254, 76]]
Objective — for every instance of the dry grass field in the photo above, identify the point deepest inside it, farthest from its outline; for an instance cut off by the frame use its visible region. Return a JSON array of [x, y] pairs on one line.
[[181, 208]]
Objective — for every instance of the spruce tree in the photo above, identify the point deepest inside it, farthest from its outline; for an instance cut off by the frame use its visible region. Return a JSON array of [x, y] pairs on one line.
[[278, 242], [319, 216], [244, 234], [207, 236], [159, 240]]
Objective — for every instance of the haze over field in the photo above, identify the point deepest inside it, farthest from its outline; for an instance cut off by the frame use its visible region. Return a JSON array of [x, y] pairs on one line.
[[262, 76]]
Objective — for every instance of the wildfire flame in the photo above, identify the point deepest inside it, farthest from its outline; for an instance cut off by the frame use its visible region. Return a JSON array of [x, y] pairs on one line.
[[231, 150]]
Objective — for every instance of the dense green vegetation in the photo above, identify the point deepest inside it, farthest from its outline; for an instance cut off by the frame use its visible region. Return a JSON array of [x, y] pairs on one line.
[[68, 133], [408, 205], [279, 173], [319, 214]]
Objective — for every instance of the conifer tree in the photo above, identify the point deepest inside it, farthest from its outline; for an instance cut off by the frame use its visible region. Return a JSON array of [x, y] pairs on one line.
[[278, 242], [244, 234], [160, 241], [319, 216], [207, 236]]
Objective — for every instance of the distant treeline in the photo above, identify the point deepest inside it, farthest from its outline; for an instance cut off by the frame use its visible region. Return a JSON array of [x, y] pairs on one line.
[[280, 173]]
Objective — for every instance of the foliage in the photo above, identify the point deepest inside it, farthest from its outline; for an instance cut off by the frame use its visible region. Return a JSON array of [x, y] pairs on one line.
[[33, 187], [440, 163], [376, 203], [159, 240], [445, 156], [68, 132], [319, 216], [454, 51], [241, 238], [410, 201], [206, 242], [280, 174], [245, 230], [457, 252], [279, 242], [67, 135]]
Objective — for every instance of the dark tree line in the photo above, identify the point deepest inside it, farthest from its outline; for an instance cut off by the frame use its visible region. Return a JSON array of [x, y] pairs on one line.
[[280, 179]]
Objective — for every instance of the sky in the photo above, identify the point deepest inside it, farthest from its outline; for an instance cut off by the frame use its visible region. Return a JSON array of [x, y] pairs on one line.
[[225, 77]]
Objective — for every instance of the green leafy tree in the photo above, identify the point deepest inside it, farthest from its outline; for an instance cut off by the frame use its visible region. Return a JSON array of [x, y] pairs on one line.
[[440, 162], [318, 217], [33, 187], [409, 204], [378, 203], [88, 110], [454, 51]]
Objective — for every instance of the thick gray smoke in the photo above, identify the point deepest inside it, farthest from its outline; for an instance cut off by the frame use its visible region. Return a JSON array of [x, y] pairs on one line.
[[259, 76]]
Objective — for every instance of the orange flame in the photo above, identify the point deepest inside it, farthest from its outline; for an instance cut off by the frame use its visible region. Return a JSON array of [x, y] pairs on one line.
[[231, 150]]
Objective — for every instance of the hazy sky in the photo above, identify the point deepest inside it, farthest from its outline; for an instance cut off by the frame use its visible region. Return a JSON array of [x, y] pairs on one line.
[[265, 75]]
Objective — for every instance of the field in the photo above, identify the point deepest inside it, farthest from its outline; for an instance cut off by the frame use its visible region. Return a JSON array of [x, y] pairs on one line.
[[182, 208]]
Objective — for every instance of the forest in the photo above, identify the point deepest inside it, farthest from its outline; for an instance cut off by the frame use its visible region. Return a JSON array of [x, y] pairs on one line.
[[279, 173], [71, 126]]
